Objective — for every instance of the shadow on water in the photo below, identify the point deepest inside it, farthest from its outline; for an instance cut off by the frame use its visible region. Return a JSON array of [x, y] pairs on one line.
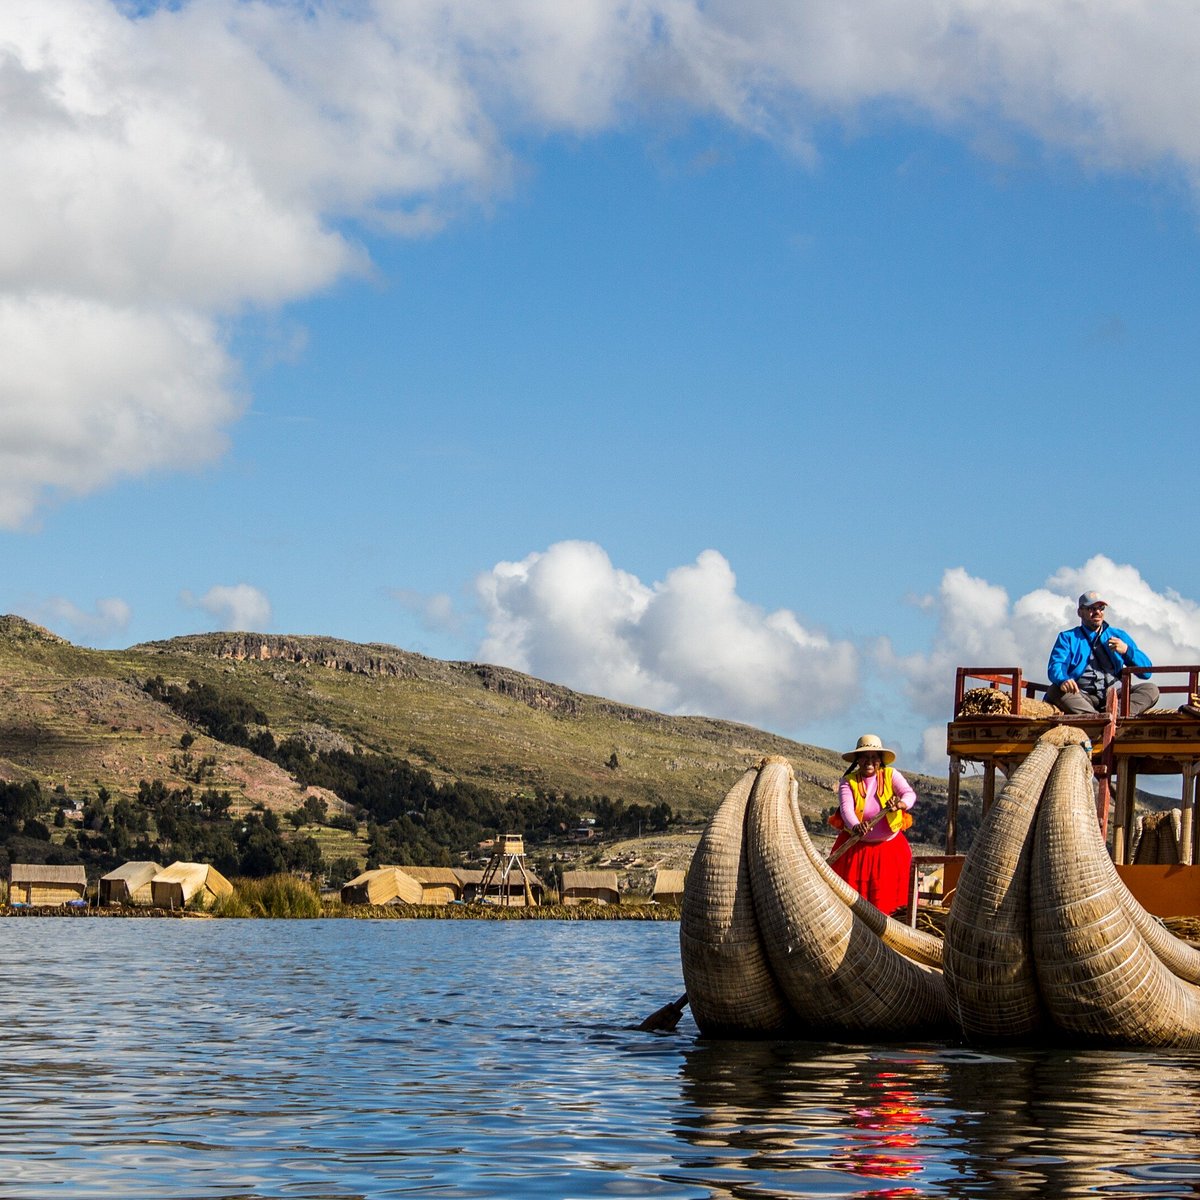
[[776, 1119]]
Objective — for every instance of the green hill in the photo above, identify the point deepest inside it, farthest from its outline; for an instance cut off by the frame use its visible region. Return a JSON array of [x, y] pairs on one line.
[[81, 721]]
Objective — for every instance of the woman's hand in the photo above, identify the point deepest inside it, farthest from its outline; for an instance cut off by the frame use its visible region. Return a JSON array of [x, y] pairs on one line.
[[860, 829]]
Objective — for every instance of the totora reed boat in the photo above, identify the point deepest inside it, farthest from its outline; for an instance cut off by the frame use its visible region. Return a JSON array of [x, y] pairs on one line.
[[1042, 938]]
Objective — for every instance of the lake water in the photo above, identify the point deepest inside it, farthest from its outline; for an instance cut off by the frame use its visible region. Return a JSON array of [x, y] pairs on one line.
[[457, 1059]]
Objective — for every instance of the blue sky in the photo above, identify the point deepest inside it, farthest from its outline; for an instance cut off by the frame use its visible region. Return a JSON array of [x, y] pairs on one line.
[[758, 360]]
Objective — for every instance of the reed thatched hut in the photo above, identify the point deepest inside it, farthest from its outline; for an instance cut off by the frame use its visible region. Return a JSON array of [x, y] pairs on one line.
[[182, 881], [439, 885], [590, 887], [668, 887], [35, 883], [130, 883], [384, 885]]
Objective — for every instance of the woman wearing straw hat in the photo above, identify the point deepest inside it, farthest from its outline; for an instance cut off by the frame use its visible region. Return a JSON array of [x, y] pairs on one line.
[[873, 803]]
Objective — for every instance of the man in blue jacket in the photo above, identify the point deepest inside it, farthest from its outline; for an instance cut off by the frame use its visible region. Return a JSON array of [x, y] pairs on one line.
[[1087, 661]]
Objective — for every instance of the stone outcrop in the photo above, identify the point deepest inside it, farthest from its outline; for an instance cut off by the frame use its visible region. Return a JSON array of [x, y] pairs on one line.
[[330, 653]]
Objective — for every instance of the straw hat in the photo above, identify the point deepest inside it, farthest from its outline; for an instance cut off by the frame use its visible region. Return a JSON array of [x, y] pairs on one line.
[[869, 743]]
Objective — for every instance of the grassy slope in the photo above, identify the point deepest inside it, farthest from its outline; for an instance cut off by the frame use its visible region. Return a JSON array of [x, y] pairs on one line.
[[78, 717]]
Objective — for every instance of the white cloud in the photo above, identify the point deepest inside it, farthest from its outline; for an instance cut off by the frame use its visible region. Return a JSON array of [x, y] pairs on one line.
[[689, 644], [235, 607], [110, 617], [436, 611], [162, 170], [91, 392]]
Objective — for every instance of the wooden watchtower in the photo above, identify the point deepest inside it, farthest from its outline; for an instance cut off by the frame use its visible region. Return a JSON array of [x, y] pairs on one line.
[[507, 860], [1162, 741]]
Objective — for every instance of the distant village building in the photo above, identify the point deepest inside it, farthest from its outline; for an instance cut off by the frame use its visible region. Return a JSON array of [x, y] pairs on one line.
[[668, 887], [506, 878], [499, 890], [130, 883], [439, 885], [383, 885], [181, 882], [590, 887], [35, 884]]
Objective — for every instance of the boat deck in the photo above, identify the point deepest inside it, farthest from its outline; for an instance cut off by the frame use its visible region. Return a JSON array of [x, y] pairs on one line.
[[1163, 741]]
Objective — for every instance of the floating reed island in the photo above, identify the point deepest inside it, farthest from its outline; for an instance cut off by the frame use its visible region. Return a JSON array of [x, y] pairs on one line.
[[1042, 939]]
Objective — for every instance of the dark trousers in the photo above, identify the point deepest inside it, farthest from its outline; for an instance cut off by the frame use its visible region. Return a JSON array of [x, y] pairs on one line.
[[1142, 695]]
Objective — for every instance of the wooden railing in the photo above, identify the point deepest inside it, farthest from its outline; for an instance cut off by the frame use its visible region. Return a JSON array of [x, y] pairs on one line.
[[1007, 679]]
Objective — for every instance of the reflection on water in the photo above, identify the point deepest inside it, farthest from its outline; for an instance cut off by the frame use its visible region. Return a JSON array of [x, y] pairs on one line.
[[774, 1119], [472, 1059]]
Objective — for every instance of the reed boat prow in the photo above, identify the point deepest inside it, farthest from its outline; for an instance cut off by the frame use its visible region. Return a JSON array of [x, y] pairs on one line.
[[1043, 938], [760, 908]]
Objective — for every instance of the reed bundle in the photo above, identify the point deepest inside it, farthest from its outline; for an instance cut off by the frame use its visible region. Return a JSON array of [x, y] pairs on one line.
[[773, 941], [1044, 936], [1157, 838], [990, 701]]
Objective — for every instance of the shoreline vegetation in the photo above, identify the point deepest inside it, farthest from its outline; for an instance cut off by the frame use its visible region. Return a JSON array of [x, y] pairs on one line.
[[285, 896]]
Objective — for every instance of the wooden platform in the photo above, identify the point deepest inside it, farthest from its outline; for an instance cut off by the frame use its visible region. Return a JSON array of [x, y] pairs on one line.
[[1160, 742]]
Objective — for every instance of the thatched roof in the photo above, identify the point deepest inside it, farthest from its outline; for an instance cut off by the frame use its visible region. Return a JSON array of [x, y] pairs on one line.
[[189, 878], [466, 876], [380, 886], [443, 875], [669, 883], [73, 873], [183, 872], [590, 879], [133, 873]]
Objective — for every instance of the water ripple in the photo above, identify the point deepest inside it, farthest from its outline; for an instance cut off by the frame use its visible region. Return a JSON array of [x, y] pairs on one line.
[[246, 1060]]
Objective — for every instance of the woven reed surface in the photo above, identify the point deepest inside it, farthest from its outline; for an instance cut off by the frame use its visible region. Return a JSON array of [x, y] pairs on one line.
[[836, 973], [989, 973], [729, 983], [1183, 927], [1157, 841], [1042, 931], [1181, 959], [1097, 975], [986, 702]]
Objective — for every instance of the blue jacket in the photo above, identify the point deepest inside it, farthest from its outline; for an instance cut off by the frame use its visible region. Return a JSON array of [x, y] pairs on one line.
[[1073, 647]]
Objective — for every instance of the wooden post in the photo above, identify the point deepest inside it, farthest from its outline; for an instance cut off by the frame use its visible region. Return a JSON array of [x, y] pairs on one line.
[[1187, 825], [1103, 796], [1123, 819], [952, 804], [914, 886], [989, 784], [1195, 795]]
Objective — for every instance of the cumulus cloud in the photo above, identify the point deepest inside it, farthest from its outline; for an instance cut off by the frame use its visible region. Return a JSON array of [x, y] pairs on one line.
[[234, 607], [91, 392], [978, 625], [436, 612], [110, 616], [164, 167], [688, 644]]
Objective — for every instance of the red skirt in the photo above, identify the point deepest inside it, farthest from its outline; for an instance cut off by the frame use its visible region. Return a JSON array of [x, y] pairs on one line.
[[877, 871]]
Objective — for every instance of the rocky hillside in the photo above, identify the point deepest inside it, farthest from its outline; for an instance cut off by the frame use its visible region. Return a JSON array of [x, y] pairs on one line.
[[79, 719]]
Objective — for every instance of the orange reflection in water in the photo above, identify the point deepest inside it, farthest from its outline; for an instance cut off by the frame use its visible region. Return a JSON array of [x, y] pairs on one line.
[[883, 1149]]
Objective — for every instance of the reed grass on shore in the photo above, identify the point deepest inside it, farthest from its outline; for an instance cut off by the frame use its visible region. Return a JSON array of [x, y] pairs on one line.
[[274, 896]]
